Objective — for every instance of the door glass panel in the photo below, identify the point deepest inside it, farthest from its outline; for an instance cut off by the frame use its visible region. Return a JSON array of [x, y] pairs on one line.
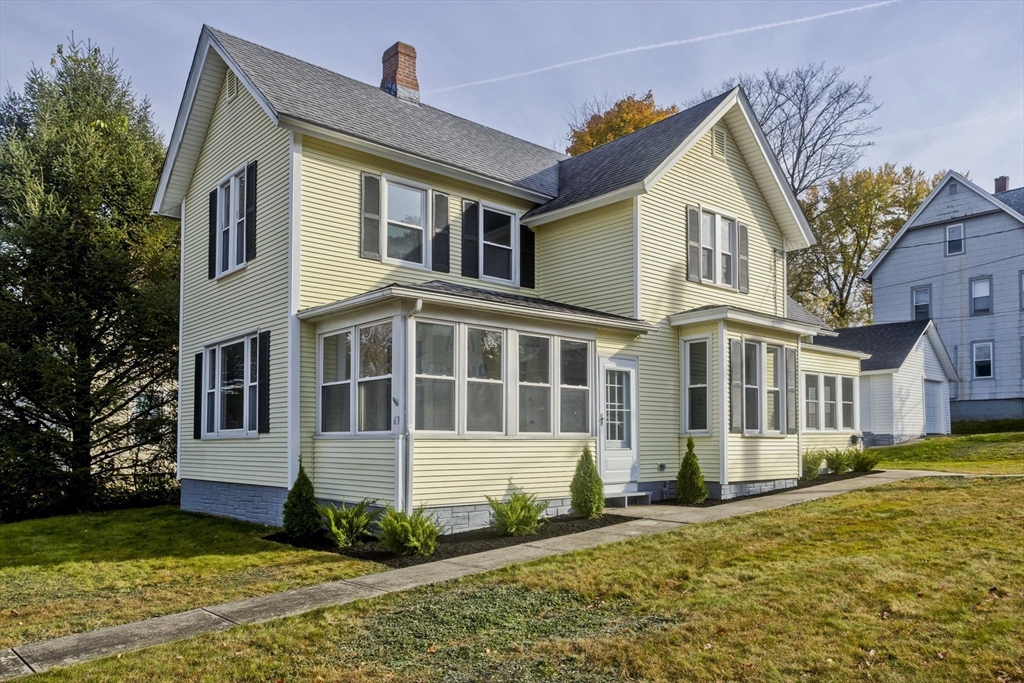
[[618, 408]]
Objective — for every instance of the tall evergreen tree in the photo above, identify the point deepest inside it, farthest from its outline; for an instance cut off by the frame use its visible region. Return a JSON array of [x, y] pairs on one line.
[[88, 290]]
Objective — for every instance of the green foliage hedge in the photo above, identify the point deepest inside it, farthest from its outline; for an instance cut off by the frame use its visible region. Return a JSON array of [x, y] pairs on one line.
[[690, 486], [520, 515], [301, 511], [409, 534]]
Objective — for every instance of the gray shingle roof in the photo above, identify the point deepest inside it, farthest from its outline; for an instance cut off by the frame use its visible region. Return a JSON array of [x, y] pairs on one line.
[[624, 161], [794, 311], [888, 344], [1012, 198], [327, 99]]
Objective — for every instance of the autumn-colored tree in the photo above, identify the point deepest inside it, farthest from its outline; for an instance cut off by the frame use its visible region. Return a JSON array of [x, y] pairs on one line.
[[599, 120], [853, 217]]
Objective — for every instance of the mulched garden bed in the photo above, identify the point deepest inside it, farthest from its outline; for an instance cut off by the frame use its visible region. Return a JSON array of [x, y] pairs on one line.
[[462, 543], [801, 484]]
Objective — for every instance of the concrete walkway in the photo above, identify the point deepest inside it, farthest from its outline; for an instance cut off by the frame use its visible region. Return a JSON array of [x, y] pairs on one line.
[[650, 519]]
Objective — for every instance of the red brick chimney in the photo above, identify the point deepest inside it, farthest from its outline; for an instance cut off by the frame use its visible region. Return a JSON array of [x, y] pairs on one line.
[[1002, 183], [400, 73]]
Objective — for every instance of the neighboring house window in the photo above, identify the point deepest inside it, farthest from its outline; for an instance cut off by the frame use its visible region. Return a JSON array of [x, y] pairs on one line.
[[1020, 289], [922, 303], [534, 384], [846, 395], [336, 383], [718, 246], [982, 352], [406, 221], [696, 369], [374, 383], [231, 387], [954, 240], [811, 397], [435, 377], [485, 385], [231, 223], [981, 296], [752, 386], [829, 397], [952, 187], [497, 244], [574, 381]]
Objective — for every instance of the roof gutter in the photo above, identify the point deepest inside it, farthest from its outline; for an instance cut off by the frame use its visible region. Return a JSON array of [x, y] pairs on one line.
[[622, 193]]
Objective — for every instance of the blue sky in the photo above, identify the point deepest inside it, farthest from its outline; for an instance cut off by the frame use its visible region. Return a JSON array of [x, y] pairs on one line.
[[950, 75]]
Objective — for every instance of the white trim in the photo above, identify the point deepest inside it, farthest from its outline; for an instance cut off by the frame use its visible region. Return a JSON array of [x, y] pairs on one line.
[[950, 175], [799, 405], [294, 350], [948, 366], [843, 352], [710, 121], [723, 411], [963, 239], [427, 228], [749, 317], [991, 359], [593, 203], [181, 341], [513, 241], [235, 196], [684, 385], [637, 256], [247, 340]]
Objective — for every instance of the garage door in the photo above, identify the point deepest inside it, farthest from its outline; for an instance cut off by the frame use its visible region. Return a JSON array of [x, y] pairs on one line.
[[933, 413]]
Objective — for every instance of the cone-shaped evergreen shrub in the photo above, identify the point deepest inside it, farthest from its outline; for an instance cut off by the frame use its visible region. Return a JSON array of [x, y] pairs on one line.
[[587, 489], [690, 487], [301, 513]]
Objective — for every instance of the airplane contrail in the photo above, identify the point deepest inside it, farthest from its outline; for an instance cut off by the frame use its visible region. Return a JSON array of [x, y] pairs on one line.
[[657, 46]]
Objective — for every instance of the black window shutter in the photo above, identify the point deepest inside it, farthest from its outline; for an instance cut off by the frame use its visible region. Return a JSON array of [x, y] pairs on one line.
[[369, 243], [791, 398], [197, 401], [440, 256], [528, 256], [744, 264], [736, 386], [470, 239], [250, 211], [212, 257], [263, 383], [693, 244]]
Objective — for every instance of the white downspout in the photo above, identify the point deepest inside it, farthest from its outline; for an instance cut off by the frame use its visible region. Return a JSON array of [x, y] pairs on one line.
[[799, 405]]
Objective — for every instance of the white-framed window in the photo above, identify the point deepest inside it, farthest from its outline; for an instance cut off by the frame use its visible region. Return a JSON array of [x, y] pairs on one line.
[[485, 380], [752, 386], [718, 249], [336, 382], [374, 377], [830, 400], [405, 222], [812, 418], [574, 387], [982, 354], [846, 395], [230, 387], [534, 384], [921, 297], [696, 383], [954, 239], [981, 295], [231, 223], [773, 388], [499, 239], [354, 379], [436, 408]]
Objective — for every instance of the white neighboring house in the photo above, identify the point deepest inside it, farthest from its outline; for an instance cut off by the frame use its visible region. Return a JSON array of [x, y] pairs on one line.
[[904, 385]]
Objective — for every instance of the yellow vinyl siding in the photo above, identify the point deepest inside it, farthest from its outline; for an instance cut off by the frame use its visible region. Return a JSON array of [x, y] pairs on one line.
[[587, 259], [821, 360], [463, 471], [353, 469], [255, 298], [332, 268]]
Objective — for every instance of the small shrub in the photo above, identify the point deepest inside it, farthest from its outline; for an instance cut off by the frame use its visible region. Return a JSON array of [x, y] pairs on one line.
[[812, 464], [690, 486], [348, 524], [863, 460], [837, 460], [301, 512], [520, 515], [587, 489], [409, 534]]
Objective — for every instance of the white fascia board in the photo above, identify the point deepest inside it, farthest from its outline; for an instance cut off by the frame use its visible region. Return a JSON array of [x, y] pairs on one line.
[[627, 192], [839, 352], [884, 371], [940, 352], [313, 130], [398, 292], [726, 313]]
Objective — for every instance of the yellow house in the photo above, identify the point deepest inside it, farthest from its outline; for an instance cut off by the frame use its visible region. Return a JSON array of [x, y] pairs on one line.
[[426, 311]]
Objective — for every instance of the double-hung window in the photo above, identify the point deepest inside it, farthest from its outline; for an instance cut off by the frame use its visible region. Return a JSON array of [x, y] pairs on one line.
[[718, 249], [763, 379], [707, 246], [406, 221], [829, 402], [230, 388], [435, 377], [696, 401], [497, 244], [982, 352], [355, 379], [954, 239], [231, 223], [773, 388], [727, 251], [981, 296], [485, 380], [922, 302], [811, 417], [374, 381], [829, 399], [846, 400], [336, 382], [752, 386], [534, 384], [574, 387]]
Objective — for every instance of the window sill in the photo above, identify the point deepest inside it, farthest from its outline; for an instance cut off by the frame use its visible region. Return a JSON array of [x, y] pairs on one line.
[[348, 436], [228, 273], [498, 281], [718, 285], [494, 436], [765, 435], [704, 433], [404, 264], [230, 437]]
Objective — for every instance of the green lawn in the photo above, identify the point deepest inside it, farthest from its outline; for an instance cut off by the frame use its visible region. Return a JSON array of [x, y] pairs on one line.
[[70, 574], [975, 454], [918, 580]]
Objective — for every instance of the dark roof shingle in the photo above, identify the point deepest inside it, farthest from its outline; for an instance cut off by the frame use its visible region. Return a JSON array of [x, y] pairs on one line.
[[794, 311], [888, 344], [1012, 198]]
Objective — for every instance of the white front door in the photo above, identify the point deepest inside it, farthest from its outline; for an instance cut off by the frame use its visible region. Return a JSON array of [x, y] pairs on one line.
[[933, 407], [617, 451]]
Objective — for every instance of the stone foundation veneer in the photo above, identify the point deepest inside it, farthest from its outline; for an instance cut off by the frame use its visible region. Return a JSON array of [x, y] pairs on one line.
[[248, 502], [456, 518], [747, 488]]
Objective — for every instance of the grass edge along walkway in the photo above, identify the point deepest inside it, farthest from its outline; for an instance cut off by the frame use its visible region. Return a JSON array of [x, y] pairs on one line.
[[36, 657]]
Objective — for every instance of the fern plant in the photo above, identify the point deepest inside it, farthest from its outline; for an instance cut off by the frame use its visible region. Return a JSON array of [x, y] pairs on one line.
[[347, 525], [863, 460], [520, 515], [812, 464], [587, 489], [837, 460], [409, 534], [690, 486]]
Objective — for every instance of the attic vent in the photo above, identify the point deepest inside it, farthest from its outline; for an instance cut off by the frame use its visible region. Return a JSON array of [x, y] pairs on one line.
[[232, 85], [952, 187], [718, 143]]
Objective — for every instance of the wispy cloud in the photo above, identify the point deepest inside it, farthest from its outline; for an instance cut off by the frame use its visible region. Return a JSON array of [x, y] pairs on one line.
[[669, 43], [999, 116]]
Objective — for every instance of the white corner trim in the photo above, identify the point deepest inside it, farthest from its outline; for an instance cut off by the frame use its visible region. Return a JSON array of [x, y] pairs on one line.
[[799, 409], [723, 409], [940, 352], [594, 203], [294, 427], [181, 336], [637, 298]]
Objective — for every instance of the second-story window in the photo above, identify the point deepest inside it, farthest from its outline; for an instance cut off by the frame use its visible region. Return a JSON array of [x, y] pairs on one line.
[[231, 223], [497, 244], [954, 240], [718, 249], [922, 303], [406, 223]]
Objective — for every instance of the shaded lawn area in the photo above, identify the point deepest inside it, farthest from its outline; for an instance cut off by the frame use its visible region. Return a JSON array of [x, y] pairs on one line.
[[1001, 453], [918, 580], [70, 574]]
